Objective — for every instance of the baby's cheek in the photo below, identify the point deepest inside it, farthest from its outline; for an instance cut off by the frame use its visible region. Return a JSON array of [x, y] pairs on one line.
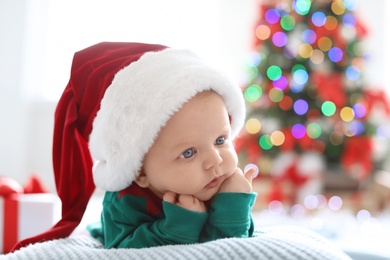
[[233, 159]]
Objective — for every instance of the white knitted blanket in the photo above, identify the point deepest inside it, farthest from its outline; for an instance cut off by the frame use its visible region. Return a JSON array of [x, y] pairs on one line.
[[290, 243]]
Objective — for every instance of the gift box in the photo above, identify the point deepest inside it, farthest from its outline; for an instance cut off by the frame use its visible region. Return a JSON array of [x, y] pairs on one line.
[[24, 215]]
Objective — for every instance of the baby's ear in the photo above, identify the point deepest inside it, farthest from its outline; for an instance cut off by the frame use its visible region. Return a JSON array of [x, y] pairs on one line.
[[141, 179]]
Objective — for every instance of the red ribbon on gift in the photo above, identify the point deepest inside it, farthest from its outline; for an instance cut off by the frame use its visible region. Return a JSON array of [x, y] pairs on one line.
[[9, 191], [10, 223]]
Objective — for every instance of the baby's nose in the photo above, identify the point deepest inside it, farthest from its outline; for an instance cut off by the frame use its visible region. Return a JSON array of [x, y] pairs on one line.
[[212, 159]]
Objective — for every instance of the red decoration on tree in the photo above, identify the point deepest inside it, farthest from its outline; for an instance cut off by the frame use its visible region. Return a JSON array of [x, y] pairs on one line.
[[357, 157], [330, 87], [377, 98]]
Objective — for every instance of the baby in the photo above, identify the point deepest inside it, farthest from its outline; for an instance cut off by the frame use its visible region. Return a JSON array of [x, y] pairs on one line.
[[159, 125], [186, 186]]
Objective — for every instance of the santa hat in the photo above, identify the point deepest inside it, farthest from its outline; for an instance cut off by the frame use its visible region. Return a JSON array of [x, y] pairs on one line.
[[139, 102], [118, 98]]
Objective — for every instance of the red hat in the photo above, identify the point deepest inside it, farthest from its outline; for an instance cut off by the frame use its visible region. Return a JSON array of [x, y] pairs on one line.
[[118, 98]]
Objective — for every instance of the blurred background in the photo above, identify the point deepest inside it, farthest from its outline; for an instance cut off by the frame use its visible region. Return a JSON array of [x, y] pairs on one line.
[[314, 75]]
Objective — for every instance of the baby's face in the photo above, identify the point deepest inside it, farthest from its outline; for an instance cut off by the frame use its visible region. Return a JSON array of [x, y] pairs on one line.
[[193, 154]]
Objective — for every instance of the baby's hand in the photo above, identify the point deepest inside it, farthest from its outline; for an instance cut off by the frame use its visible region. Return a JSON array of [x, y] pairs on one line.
[[239, 182], [185, 201]]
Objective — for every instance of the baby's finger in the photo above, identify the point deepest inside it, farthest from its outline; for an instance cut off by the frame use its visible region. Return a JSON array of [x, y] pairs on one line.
[[185, 200], [170, 197], [251, 171]]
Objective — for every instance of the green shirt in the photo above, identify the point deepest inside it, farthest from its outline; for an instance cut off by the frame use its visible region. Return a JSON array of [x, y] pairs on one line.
[[136, 218]]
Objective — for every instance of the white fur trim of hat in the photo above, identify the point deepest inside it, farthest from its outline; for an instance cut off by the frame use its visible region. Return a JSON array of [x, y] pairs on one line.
[[139, 102]]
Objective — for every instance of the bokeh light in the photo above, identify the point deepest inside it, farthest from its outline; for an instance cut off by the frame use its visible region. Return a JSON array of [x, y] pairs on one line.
[[355, 128], [335, 203], [298, 131], [347, 114], [253, 93], [311, 201], [352, 73], [302, 7], [253, 126], [363, 215], [325, 43], [276, 207], [301, 106], [287, 22], [336, 139], [305, 50], [263, 32], [297, 211], [286, 103], [277, 138], [338, 7], [279, 39], [280, 83], [328, 108], [318, 19], [272, 16], [254, 58], [314, 130], [349, 20], [331, 23], [274, 72], [300, 76], [335, 54], [276, 95], [265, 142], [322, 201], [360, 110], [317, 57], [309, 36], [296, 88]]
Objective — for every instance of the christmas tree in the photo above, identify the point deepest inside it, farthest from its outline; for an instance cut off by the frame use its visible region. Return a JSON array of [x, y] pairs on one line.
[[309, 108]]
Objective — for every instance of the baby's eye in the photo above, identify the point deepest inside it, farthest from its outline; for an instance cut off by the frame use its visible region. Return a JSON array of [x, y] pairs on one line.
[[220, 140], [188, 153]]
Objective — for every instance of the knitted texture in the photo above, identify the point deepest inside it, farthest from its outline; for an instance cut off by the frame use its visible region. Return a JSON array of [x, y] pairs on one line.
[[269, 243]]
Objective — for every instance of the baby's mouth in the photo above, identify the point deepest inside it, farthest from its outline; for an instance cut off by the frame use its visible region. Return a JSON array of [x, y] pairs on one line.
[[214, 183]]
